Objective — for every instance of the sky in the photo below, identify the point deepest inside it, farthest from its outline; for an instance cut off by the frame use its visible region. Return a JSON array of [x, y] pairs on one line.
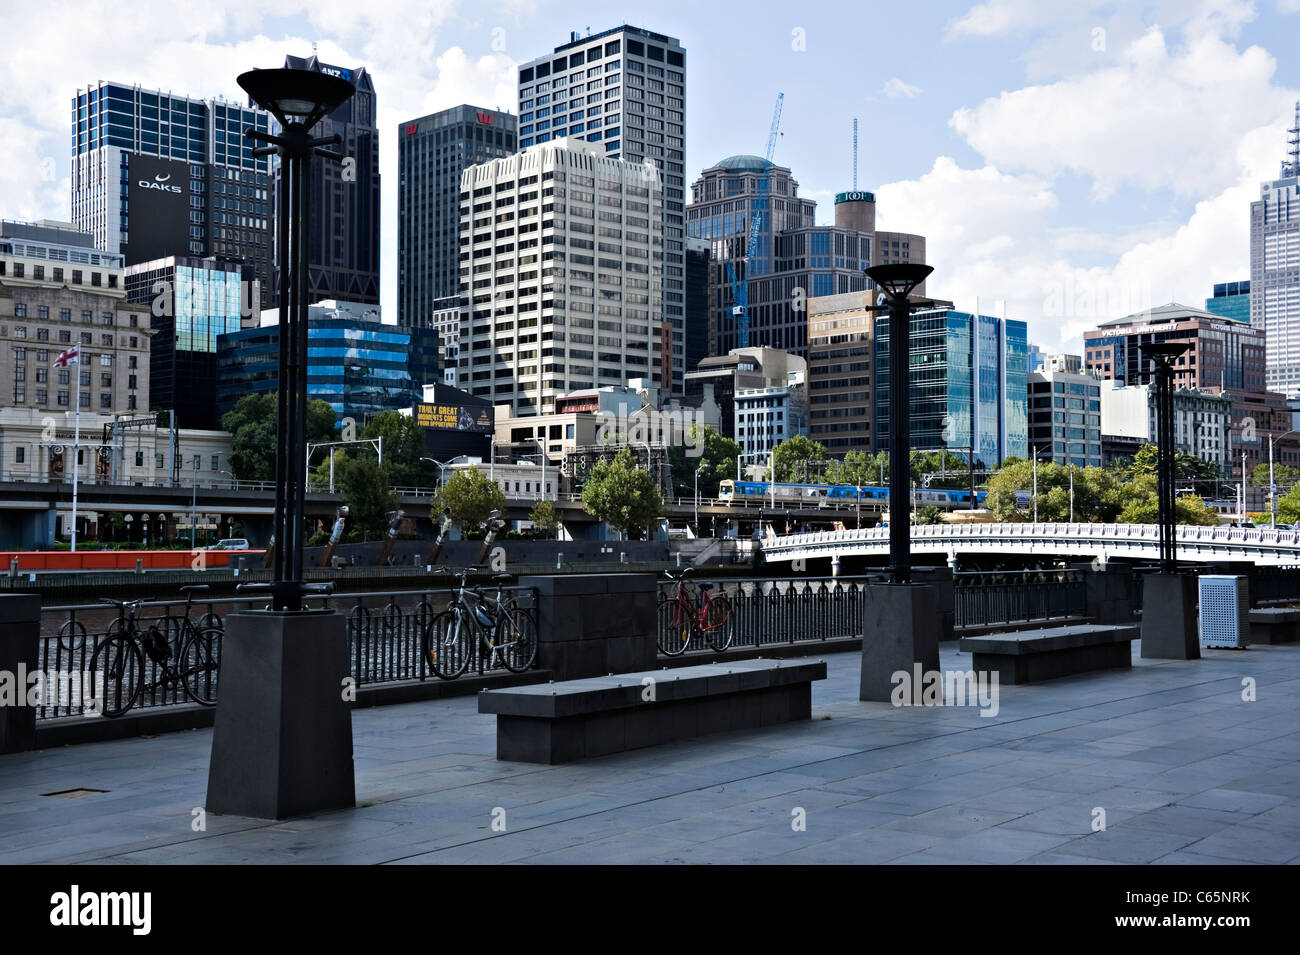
[[1069, 161]]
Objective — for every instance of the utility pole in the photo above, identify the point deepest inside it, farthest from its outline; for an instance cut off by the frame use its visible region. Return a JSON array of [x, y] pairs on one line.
[[1071, 493], [1035, 485]]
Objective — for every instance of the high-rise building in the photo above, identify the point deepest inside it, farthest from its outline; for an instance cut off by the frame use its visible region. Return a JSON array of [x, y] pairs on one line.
[[624, 90], [58, 292], [699, 336], [190, 301], [432, 152], [840, 332], [445, 319], [719, 378], [561, 259], [968, 384], [766, 417], [1230, 300], [343, 207], [1065, 417], [157, 174], [1275, 269]]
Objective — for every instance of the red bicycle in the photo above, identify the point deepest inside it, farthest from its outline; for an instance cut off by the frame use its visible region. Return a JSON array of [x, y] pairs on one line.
[[684, 614]]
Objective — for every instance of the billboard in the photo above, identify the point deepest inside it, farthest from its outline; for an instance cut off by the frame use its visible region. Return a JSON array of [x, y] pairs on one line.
[[158, 207], [454, 417]]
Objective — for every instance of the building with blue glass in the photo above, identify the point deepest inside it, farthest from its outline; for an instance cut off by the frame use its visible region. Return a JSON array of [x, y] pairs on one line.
[[1231, 300], [156, 174], [968, 384], [361, 367]]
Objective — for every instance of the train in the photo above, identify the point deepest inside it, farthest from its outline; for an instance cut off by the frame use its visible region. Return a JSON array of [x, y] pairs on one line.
[[823, 495]]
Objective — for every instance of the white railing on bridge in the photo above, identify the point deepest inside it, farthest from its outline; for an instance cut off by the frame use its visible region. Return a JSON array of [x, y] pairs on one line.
[[1262, 544]]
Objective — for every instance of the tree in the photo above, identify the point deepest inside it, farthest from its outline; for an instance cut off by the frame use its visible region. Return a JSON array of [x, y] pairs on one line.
[[1288, 507], [544, 520], [322, 422], [716, 459], [1097, 493], [1283, 474], [253, 428], [365, 488], [929, 514], [792, 455], [621, 494], [472, 496], [1142, 505], [403, 447]]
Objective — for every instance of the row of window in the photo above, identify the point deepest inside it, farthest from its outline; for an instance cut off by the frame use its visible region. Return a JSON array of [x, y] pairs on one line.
[[19, 270]]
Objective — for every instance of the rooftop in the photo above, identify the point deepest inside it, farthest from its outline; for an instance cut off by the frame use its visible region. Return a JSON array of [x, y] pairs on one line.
[[1171, 312]]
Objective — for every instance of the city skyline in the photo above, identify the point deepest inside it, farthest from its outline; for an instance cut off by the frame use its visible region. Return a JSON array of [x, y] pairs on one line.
[[1015, 143]]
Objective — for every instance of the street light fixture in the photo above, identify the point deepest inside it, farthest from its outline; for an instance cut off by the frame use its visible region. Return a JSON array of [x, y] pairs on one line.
[[697, 495], [1163, 355], [896, 283], [299, 99]]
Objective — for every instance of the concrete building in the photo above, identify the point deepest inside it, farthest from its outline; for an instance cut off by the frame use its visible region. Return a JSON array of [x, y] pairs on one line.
[[624, 91], [432, 152], [561, 268], [1070, 364], [58, 292], [766, 417], [190, 301], [1230, 300], [343, 210], [1065, 418], [518, 480], [968, 385], [1275, 269], [1202, 421], [156, 174], [723, 376], [840, 354]]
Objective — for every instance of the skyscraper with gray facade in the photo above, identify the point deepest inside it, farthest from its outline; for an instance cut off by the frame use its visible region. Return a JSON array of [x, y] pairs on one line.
[[432, 152], [1275, 270], [624, 88]]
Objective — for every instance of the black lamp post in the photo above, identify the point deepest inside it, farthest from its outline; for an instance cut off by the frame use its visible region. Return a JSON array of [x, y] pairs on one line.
[[1163, 354], [896, 283], [299, 99]]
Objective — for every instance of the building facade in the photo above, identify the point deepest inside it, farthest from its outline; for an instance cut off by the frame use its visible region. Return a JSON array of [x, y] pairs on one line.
[[343, 205], [57, 292], [699, 320], [718, 379], [623, 90], [432, 152], [968, 385], [1065, 418], [361, 368], [1230, 300], [1275, 269], [1202, 421], [190, 302], [840, 354], [561, 269], [156, 174], [766, 417]]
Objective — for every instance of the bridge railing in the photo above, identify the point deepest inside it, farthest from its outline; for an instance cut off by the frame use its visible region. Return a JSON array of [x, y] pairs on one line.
[[984, 599]]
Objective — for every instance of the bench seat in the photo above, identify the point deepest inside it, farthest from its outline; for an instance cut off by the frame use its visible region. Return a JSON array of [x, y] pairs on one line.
[[1274, 625], [578, 719], [1031, 656]]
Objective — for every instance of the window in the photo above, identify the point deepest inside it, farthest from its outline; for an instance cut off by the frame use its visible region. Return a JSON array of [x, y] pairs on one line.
[[106, 399], [139, 459], [20, 455], [20, 309]]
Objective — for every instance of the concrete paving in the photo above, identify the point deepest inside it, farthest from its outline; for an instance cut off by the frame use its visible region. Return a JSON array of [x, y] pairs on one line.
[[1181, 768]]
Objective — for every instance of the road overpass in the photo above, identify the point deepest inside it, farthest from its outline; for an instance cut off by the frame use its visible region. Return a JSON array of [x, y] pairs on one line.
[[1105, 542]]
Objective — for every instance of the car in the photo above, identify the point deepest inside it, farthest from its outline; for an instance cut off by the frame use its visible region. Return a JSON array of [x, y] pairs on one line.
[[230, 543]]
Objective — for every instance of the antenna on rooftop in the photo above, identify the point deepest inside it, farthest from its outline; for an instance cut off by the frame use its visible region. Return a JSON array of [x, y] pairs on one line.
[[855, 154], [1292, 168]]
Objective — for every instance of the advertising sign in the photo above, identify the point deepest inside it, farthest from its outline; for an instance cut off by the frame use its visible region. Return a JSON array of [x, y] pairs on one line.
[[158, 206], [454, 418]]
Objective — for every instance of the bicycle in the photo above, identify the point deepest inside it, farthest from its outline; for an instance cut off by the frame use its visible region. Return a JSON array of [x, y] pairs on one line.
[[118, 664], [495, 627], [683, 614]]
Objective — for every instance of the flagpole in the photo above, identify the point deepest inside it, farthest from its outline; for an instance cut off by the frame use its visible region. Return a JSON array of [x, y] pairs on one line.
[[76, 447]]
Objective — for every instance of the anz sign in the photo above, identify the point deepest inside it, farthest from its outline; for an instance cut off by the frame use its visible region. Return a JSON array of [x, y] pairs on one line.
[[335, 71]]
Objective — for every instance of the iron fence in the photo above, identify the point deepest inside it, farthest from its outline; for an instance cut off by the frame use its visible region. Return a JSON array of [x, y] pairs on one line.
[[990, 599], [385, 639]]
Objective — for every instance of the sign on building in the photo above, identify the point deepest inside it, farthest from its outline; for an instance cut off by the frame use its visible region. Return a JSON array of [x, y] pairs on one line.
[[454, 417]]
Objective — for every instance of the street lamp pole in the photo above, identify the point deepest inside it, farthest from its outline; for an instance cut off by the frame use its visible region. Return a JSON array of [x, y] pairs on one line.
[[542, 448], [697, 496], [1163, 355], [1035, 485]]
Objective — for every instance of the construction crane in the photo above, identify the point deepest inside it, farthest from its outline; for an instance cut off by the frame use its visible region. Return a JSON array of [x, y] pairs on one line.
[[739, 292]]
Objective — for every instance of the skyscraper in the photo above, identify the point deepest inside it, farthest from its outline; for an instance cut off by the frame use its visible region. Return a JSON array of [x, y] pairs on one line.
[[343, 207], [156, 174], [625, 89], [1275, 269], [1231, 300], [432, 152]]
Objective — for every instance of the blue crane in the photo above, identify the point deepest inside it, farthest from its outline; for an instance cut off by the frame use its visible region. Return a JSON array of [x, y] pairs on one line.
[[739, 292]]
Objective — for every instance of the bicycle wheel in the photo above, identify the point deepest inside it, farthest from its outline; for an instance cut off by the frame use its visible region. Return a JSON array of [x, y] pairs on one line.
[[515, 640], [448, 644], [72, 636], [116, 674], [210, 621], [199, 663], [675, 628], [719, 622]]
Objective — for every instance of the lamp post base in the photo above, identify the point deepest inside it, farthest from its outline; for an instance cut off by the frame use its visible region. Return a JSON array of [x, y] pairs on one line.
[[1169, 625], [900, 630], [282, 739]]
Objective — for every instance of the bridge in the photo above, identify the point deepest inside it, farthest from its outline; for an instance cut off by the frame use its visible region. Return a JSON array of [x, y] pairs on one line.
[[1104, 542]]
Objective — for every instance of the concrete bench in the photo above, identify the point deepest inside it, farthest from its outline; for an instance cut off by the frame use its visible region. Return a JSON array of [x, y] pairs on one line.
[[1031, 656], [579, 719], [1274, 625]]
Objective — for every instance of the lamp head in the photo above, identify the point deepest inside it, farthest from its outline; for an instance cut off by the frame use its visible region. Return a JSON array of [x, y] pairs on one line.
[[300, 97], [898, 280], [1162, 352]]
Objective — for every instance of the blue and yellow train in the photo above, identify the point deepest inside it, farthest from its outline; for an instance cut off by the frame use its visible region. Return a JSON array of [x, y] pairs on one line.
[[821, 495]]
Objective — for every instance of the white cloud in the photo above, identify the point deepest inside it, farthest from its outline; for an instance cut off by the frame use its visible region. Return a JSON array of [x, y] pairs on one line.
[[898, 89]]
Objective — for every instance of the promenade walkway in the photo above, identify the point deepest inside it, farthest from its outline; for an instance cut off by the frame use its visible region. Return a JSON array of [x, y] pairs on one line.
[[1184, 769]]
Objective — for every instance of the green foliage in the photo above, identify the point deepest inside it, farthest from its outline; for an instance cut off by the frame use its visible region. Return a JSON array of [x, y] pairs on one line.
[[713, 454], [365, 488], [1098, 495], [321, 424], [253, 426], [1142, 505], [472, 496], [621, 494], [1187, 467], [1283, 474], [544, 520], [792, 457], [1288, 507], [929, 514], [403, 447]]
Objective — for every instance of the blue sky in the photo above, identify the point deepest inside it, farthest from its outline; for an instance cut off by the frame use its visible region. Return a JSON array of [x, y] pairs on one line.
[[1074, 160]]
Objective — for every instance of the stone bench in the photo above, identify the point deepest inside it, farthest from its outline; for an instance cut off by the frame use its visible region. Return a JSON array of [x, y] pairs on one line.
[[1031, 656], [579, 719], [1274, 625]]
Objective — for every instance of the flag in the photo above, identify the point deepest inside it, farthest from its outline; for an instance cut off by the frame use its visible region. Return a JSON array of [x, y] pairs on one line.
[[68, 357]]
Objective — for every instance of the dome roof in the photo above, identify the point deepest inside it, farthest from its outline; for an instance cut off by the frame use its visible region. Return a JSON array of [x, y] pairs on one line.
[[744, 163]]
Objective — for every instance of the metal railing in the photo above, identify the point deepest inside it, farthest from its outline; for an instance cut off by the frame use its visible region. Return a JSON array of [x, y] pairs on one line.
[[385, 634], [989, 599]]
